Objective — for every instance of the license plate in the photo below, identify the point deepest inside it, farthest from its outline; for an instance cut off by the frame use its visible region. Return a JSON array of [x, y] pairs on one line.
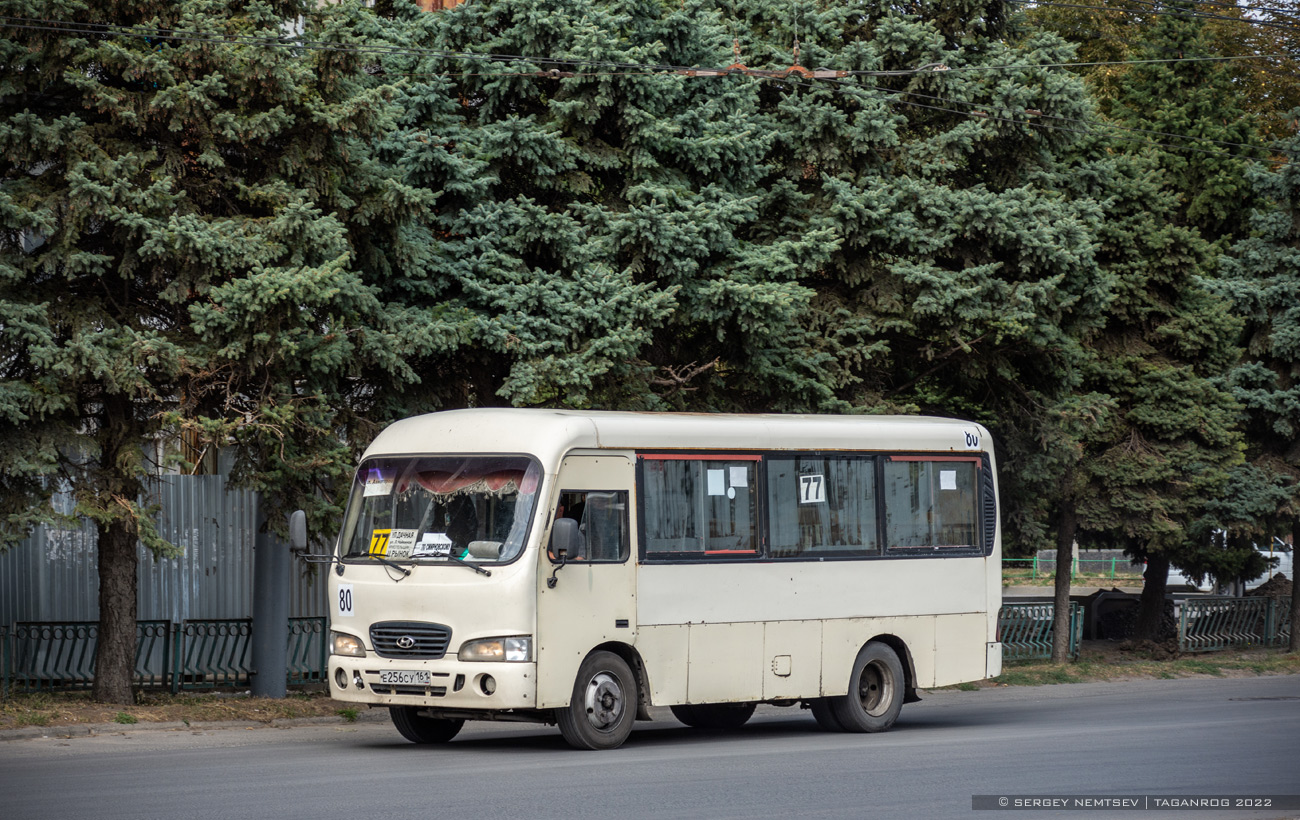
[[419, 678]]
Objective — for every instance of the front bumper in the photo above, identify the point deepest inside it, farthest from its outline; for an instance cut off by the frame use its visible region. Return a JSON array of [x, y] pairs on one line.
[[456, 685]]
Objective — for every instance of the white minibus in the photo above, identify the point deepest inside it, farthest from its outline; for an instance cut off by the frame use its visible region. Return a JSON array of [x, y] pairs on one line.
[[578, 568]]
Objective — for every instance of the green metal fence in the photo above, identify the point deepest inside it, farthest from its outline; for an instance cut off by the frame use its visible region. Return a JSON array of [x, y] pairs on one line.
[[190, 655], [308, 650], [42, 655], [1109, 568], [1212, 623], [213, 653], [1025, 630]]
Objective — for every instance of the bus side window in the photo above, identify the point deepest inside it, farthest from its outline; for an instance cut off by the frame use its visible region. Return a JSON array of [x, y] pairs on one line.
[[602, 518], [700, 506], [821, 505], [931, 502]]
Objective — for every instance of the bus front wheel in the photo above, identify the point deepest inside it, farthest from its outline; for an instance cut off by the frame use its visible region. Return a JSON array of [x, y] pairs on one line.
[[875, 694], [603, 706], [420, 729]]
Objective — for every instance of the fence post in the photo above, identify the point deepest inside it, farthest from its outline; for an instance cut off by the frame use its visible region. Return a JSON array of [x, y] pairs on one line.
[[1270, 623], [1076, 629], [1182, 626]]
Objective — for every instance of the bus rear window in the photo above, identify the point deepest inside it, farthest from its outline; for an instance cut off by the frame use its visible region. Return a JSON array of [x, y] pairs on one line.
[[930, 502]]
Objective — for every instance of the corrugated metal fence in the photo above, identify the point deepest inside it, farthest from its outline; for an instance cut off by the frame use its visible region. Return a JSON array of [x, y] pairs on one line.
[[52, 575]]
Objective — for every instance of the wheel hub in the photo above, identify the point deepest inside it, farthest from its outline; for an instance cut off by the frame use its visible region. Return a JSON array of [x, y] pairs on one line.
[[604, 701], [875, 688]]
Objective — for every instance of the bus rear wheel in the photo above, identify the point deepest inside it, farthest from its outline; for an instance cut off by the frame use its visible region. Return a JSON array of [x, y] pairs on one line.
[[875, 695], [714, 715], [603, 706], [418, 728], [821, 709]]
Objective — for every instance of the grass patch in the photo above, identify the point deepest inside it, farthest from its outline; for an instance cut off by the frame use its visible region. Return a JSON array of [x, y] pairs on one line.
[[1105, 661], [125, 717], [1026, 578], [1199, 667], [349, 714], [1037, 674]]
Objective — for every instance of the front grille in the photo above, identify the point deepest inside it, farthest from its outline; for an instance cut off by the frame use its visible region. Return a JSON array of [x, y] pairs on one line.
[[426, 641]]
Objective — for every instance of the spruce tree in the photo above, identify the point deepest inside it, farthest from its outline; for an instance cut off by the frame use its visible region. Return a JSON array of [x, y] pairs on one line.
[[1166, 448], [739, 241], [594, 214], [1261, 275], [1260, 44], [180, 194]]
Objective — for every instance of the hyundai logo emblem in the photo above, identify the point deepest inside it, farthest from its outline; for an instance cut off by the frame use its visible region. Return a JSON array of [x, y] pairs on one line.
[[405, 642]]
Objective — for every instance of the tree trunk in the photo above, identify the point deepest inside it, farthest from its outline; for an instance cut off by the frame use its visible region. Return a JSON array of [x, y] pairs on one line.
[[1069, 524], [115, 649], [1293, 645], [119, 439], [1151, 607]]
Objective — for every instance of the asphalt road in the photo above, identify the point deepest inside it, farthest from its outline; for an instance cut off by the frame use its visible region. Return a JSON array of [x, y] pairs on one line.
[[1180, 737]]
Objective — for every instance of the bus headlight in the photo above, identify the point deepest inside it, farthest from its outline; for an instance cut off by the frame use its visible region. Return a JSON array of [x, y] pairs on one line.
[[497, 649], [348, 645]]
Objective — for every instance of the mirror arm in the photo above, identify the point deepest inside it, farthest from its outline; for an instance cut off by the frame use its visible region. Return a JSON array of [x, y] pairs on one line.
[[551, 582]]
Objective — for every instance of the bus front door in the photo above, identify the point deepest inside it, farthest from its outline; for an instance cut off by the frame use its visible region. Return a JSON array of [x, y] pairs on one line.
[[588, 599]]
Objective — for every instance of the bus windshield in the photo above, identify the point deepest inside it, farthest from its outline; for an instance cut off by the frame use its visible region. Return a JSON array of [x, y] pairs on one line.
[[441, 508]]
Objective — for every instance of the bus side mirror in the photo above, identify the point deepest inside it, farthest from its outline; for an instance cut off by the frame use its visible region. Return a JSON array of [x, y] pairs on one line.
[[566, 540], [298, 531]]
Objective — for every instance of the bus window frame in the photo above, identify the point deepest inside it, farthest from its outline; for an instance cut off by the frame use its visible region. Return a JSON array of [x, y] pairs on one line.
[[758, 489], [627, 520], [865, 455], [980, 460], [984, 484]]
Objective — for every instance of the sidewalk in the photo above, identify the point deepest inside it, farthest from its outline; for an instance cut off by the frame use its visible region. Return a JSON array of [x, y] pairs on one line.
[[1075, 591], [194, 727]]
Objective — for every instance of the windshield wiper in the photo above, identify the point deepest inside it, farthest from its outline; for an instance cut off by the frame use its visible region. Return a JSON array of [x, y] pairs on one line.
[[381, 559], [465, 563]]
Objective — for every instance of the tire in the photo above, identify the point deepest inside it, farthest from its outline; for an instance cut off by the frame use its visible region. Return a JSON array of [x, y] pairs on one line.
[[420, 729], [714, 715], [875, 694], [821, 709], [603, 707]]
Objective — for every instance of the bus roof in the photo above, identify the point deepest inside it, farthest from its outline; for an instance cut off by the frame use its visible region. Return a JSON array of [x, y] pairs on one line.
[[549, 434]]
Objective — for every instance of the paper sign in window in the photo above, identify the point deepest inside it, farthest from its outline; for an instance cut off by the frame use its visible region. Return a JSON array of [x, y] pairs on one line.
[[433, 545], [812, 489], [740, 476], [717, 482], [947, 479], [400, 543], [376, 484]]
